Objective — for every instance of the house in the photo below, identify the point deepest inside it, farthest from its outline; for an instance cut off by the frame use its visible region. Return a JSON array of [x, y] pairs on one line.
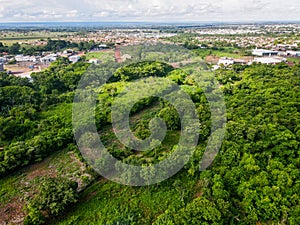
[[26, 58], [269, 60], [293, 53], [264, 52], [49, 58], [102, 46], [74, 58], [230, 61], [226, 61]]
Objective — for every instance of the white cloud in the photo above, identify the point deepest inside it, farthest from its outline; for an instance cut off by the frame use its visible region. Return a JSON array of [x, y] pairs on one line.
[[148, 10]]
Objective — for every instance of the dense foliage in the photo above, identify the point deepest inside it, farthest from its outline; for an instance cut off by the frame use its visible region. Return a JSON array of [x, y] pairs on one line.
[[54, 195], [253, 180]]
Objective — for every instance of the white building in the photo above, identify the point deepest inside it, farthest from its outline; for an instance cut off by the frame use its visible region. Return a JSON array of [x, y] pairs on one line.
[[49, 58], [226, 61], [293, 53], [269, 60], [74, 58], [26, 58], [264, 52], [102, 46], [230, 61]]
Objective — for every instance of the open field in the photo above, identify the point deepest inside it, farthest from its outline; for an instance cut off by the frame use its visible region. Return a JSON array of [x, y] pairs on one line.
[[9, 38], [104, 56]]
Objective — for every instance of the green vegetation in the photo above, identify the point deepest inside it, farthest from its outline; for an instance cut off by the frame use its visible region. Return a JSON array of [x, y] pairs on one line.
[[253, 180], [54, 194], [294, 60], [104, 56]]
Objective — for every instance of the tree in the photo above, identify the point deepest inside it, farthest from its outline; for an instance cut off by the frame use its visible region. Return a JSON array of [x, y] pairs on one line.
[[171, 118], [14, 48]]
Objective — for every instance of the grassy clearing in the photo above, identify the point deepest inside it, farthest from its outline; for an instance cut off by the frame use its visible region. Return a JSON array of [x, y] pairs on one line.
[[104, 56], [226, 54]]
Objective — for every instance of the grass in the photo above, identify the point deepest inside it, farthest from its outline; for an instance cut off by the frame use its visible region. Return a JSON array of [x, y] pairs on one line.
[[229, 52], [106, 202], [104, 56], [9, 188], [226, 54], [11, 37], [294, 60]]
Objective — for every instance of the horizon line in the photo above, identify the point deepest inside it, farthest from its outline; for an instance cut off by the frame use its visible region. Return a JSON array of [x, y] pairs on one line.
[[165, 22]]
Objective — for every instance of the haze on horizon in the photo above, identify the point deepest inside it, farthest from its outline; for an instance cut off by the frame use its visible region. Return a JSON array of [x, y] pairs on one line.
[[152, 11]]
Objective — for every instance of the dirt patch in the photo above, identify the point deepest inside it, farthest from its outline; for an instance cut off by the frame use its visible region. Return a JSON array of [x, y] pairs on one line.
[[212, 59], [39, 170], [12, 212]]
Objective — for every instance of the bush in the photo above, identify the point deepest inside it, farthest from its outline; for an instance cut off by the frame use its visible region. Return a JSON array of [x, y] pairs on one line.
[[52, 198]]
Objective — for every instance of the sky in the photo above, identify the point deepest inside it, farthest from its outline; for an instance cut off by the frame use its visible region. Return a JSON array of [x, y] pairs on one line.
[[148, 10]]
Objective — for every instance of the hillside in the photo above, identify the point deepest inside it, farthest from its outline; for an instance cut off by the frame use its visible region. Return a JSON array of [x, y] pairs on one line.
[[253, 180]]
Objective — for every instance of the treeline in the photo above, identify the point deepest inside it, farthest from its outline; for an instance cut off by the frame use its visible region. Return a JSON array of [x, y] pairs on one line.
[[52, 45]]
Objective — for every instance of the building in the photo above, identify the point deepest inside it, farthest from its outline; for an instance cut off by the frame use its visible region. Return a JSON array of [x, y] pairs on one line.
[[269, 60], [102, 46], [26, 58], [1, 67], [49, 58], [230, 61], [293, 53], [74, 58], [264, 52], [226, 61]]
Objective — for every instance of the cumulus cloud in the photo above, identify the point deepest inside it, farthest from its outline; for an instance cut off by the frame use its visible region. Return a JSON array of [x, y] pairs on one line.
[[148, 10]]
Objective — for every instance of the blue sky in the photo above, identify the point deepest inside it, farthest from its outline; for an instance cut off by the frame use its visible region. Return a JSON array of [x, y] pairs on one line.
[[149, 10]]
